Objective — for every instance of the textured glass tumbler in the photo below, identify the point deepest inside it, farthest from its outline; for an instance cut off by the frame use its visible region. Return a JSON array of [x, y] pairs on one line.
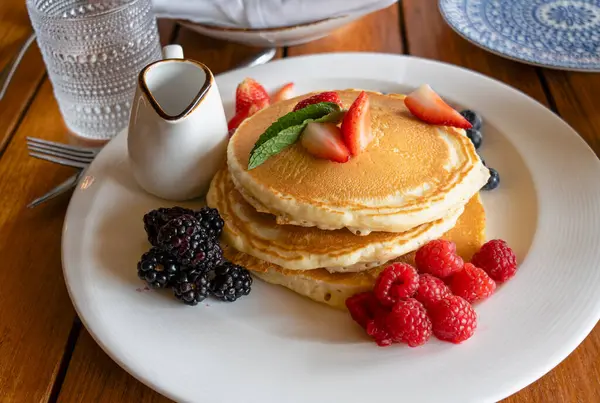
[[94, 51]]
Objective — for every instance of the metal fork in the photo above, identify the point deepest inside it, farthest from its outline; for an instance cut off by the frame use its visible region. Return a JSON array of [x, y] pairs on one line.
[[64, 154], [6, 74], [58, 190]]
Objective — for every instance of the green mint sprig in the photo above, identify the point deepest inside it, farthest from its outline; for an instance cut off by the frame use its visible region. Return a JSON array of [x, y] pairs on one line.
[[287, 129]]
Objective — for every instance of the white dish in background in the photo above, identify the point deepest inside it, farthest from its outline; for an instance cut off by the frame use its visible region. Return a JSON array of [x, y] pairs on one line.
[[274, 37], [275, 346]]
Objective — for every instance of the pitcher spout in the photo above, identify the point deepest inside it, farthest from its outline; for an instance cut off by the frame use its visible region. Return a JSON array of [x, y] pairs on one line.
[[175, 87]]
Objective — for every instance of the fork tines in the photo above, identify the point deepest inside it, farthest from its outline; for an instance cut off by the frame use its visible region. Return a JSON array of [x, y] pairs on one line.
[[68, 149]]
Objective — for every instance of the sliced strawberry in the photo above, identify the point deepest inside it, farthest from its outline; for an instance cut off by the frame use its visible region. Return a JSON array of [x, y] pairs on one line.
[[257, 106], [324, 140], [328, 96], [237, 120], [246, 113], [285, 92], [427, 106], [356, 126], [249, 92]]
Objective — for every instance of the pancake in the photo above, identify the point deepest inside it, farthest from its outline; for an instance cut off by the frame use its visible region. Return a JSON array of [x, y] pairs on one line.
[[305, 248], [333, 288], [412, 173]]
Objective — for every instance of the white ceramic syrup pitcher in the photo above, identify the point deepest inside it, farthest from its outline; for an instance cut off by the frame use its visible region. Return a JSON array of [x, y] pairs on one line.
[[177, 136]]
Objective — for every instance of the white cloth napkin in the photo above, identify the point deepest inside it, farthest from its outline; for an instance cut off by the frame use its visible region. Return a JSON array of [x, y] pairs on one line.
[[263, 13]]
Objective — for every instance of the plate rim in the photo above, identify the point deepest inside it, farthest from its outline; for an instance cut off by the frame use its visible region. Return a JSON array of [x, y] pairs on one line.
[[524, 381]]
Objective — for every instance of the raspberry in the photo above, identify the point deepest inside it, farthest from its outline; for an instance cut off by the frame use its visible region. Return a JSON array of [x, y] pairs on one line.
[[369, 314], [438, 258], [408, 323], [377, 329], [431, 290], [328, 96], [396, 282], [362, 307], [472, 283], [453, 319], [497, 259]]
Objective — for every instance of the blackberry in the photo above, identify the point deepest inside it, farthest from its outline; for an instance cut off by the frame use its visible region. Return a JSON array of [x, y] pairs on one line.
[[473, 117], [189, 242], [210, 220], [157, 268], [213, 255], [230, 282], [475, 137], [191, 287], [494, 180], [155, 219]]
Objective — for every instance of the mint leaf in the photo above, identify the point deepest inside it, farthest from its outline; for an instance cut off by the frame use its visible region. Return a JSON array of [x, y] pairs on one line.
[[286, 137], [275, 145], [333, 117], [313, 111]]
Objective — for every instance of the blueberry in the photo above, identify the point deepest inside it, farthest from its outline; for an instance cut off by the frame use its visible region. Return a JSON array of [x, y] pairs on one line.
[[475, 136], [493, 181], [473, 118]]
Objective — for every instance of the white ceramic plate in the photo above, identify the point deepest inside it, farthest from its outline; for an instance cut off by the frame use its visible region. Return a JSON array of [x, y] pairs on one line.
[[275, 346], [274, 37]]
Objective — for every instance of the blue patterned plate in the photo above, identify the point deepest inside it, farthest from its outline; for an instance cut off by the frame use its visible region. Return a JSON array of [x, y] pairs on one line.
[[562, 34]]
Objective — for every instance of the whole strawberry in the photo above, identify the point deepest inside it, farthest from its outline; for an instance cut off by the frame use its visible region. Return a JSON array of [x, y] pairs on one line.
[[328, 96], [431, 290], [408, 323], [438, 258], [396, 282], [472, 283], [497, 259], [453, 319]]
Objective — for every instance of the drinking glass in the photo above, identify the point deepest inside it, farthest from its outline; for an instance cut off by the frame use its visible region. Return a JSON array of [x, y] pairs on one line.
[[93, 51]]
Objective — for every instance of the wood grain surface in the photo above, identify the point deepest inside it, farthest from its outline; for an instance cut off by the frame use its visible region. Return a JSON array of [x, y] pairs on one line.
[[94, 377], [14, 30], [38, 360], [35, 310], [576, 98]]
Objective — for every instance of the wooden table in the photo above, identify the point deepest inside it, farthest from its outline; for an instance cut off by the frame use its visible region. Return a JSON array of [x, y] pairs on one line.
[[45, 353]]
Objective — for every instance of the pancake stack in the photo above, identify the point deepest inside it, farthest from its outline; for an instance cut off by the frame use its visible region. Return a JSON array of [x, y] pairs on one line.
[[326, 229]]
